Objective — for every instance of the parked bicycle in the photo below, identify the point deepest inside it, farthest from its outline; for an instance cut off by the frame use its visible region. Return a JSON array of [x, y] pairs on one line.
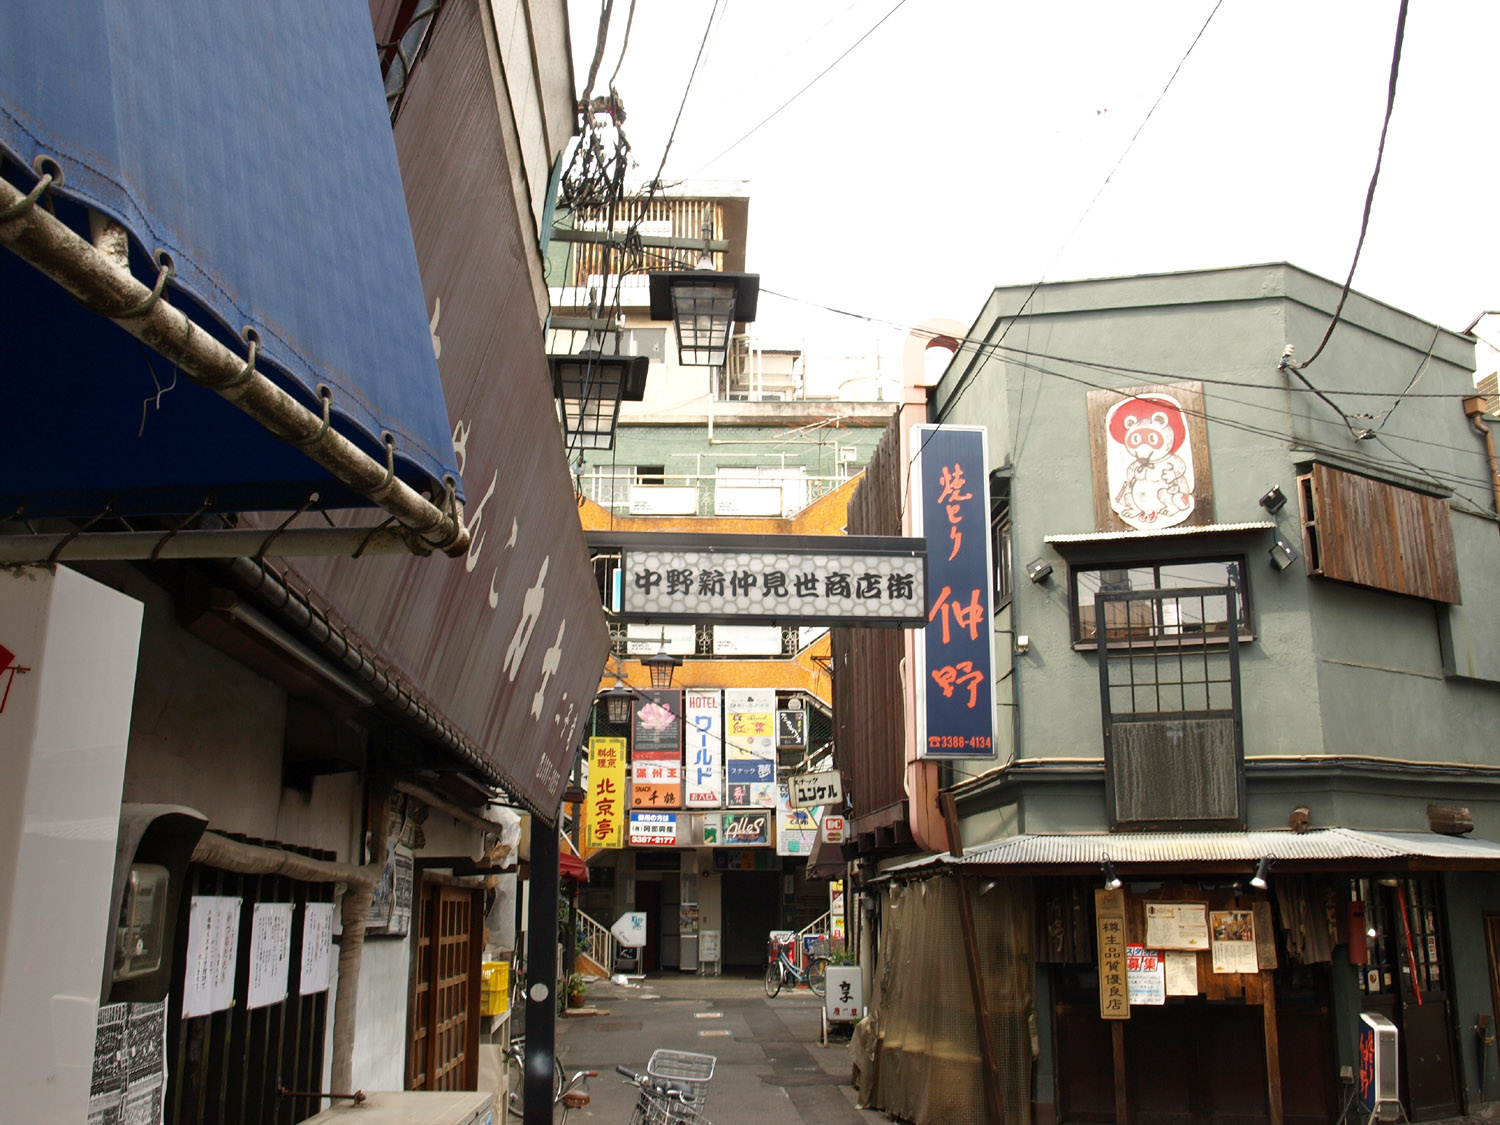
[[789, 967], [570, 1092], [674, 1089]]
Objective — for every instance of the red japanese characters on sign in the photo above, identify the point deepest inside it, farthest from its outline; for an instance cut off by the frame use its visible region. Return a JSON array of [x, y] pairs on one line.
[[956, 719]]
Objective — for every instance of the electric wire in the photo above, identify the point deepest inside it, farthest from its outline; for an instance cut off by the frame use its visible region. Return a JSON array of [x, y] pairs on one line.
[[962, 388], [1364, 223], [813, 82]]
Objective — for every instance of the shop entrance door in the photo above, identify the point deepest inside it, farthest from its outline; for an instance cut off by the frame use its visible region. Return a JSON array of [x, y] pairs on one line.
[[648, 900], [751, 909], [1407, 982]]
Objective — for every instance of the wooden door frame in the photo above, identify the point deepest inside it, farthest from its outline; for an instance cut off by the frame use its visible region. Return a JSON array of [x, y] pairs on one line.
[[429, 887]]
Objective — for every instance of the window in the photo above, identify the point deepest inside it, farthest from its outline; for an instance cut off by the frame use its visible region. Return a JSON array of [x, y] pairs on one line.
[[1000, 548], [1160, 621]]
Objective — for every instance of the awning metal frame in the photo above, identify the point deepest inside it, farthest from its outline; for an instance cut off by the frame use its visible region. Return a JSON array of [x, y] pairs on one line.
[[97, 275]]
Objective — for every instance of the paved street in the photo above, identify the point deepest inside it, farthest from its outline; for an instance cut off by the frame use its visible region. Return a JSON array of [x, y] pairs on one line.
[[771, 1065]]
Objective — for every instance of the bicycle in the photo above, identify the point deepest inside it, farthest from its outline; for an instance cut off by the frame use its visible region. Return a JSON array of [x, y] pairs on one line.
[[783, 970], [674, 1089], [568, 1092]]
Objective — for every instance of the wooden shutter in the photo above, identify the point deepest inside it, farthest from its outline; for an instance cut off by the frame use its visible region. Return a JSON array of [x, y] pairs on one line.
[[1370, 533]]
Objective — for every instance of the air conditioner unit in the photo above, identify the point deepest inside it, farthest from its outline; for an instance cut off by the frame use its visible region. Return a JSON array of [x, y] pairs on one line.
[[1379, 1092]]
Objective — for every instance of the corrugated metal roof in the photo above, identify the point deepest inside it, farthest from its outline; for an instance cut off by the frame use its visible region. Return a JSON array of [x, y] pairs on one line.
[[1211, 847], [1159, 532]]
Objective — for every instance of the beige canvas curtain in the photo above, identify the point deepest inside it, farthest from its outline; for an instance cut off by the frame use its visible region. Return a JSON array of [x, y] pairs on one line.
[[917, 1053]]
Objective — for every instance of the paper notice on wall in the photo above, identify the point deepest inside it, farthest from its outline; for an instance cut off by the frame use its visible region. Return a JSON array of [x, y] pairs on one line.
[[1233, 941], [317, 948], [1145, 975], [130, 1064], [270, 953], [1182, 973], [1176, 925], [213, 947]]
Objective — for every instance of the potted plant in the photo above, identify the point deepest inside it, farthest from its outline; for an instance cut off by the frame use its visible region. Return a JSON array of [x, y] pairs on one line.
[[574, 990]]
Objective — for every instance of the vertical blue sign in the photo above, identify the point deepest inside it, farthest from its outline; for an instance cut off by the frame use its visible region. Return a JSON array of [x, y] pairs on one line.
[[955, 651]]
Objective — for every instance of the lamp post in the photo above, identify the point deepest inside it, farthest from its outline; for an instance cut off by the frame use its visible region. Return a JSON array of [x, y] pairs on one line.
[[590, 386], [705, 305]]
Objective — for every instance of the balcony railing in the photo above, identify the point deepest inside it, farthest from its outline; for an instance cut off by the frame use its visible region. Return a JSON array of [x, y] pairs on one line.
[[776, 496]]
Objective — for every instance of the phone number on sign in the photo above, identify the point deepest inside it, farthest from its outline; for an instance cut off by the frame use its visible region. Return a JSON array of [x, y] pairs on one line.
[[958, 742]]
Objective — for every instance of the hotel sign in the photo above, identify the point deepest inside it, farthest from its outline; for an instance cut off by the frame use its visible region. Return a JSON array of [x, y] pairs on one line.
[[803, 579]]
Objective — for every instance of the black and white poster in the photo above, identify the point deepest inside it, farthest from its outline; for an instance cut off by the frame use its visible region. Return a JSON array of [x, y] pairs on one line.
[[130, 1065]]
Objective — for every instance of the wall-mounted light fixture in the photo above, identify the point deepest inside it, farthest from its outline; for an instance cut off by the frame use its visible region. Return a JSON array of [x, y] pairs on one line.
[[591, 387], [1111, 880], [1262, 869], [705, 305], [1274, 500], [1282, 553], [662, 666], [1039, 570]]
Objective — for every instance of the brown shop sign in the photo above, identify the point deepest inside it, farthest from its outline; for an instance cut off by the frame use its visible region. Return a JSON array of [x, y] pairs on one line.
[[1114, 985]]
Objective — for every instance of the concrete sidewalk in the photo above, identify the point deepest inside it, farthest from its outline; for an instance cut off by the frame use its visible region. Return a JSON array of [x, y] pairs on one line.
[[771, 1066]]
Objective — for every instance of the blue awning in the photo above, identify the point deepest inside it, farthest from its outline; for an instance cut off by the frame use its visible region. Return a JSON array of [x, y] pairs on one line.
[[251, 143]]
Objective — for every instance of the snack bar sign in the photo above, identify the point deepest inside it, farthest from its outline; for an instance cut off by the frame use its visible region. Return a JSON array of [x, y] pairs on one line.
[[810, 580]]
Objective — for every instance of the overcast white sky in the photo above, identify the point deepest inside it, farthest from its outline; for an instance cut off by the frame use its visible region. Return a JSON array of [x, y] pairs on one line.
[[959, 146]]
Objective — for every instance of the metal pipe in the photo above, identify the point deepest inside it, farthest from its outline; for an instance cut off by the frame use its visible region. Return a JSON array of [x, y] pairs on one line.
[[1474, 408], [90, 274], [226, 543]]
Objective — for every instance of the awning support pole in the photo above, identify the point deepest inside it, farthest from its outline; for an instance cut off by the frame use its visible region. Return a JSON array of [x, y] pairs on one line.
[[92, 276], [987, 1062]]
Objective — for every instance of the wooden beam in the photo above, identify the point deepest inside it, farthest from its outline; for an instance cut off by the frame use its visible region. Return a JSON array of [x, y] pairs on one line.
[[988, 1065], [1117, 1034], [949, 804], [1273, 1046]]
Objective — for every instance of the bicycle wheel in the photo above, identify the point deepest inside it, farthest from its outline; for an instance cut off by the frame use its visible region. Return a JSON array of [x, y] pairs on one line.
[[515, 1088], [773, 978], [515, 1083], [817, 976]]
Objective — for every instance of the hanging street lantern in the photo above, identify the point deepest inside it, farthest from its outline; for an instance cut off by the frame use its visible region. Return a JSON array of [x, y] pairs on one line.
[[705, 305]]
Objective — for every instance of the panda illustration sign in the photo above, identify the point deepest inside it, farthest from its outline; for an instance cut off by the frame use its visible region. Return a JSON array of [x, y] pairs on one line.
[[1149, 461]]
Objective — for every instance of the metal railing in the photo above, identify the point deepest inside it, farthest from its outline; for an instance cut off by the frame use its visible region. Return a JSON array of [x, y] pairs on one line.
[[596, 941], [687, 494]]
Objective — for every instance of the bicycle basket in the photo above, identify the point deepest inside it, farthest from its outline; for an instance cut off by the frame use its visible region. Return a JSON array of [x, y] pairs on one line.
[[683, 1070]]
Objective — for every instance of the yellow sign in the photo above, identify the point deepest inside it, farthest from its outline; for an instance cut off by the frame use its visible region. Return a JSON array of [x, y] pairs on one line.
[[606, 804]]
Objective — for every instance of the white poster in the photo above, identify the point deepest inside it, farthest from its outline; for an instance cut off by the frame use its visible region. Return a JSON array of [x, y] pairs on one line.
[[1182, 973], [270, 953], [703, 733], [796, 829], [1145, 975], [317, 948], [1233, 941], [213, 948], [1176, 925]]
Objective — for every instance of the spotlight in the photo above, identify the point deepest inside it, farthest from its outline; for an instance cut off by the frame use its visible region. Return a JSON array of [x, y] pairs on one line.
[[1261, 870], [1039, 570], [1274, 500], [1111, 880], [1282, 553]]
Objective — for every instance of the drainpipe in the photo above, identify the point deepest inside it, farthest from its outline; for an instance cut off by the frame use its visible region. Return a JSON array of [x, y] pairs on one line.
[[354, 911], [1474, 408]]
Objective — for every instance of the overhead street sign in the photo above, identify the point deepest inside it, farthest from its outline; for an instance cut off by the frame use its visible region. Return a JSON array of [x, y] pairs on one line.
[[849, 580]]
